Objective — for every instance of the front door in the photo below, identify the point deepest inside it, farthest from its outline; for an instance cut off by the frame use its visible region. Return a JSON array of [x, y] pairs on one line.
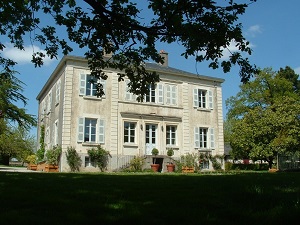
[[150, 137]]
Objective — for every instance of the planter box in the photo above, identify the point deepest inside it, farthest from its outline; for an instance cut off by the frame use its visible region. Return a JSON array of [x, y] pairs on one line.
[[186, 169], [273, 170], [32, 167], [50, 168]]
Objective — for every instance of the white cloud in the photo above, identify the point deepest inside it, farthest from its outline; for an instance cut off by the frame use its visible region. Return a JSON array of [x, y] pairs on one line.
[[23, 56], [297, 70], [254, 30]]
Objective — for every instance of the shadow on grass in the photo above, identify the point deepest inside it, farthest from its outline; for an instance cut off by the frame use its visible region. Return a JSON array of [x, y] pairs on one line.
[[63, 198]]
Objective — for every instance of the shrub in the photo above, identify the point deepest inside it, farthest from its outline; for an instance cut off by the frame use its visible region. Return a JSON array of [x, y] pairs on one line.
[[53, 156], [31, 159], [170, 152], [136, 164], [188, 160], [216, 161], [73, 159], [231, 166], [228, 166], [100, 156]]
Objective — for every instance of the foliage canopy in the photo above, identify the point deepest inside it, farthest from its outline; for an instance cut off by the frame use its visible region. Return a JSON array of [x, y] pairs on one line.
[[128, 31], [264, 116]]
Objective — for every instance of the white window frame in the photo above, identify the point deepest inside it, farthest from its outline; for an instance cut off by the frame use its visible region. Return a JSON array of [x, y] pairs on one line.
[[172, 135], [202, 101], [55, 133], [131, 132], [57, 92], [204, 138], [128, 95], [155, 94], [99, 133], [171, 94], [83, 81], [88, 162], [49, 102]]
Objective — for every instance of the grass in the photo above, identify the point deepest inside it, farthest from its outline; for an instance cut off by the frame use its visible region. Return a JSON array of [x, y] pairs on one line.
[[229, 198]]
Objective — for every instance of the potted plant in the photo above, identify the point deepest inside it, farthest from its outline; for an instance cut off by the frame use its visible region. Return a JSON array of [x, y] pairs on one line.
[[170, 165], [188, 163], [53, 159], [154, 166], [31, 160]]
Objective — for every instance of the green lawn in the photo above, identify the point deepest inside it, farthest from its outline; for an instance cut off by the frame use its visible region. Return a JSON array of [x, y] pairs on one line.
[[63, 198]]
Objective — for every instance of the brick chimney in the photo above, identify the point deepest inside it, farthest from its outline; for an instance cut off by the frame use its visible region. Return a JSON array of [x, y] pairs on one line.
[[164, 55]]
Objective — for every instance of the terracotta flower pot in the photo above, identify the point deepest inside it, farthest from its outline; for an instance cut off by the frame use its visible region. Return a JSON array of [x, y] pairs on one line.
[[170, 167], [155, 167]]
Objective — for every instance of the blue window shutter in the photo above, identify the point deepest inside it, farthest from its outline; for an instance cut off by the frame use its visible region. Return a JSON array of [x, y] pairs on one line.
[[212, 138], [82, 84], [196, 101], [101, 131], [197, 141], [210, 99], [168, 92], [160, 94], [127, 93], [174, 95], [80, 129]]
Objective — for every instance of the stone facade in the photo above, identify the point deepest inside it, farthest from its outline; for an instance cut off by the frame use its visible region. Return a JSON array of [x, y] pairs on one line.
[[183, 111]]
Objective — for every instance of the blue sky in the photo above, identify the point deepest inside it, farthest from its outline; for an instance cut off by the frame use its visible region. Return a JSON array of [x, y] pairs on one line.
[[271, 26]]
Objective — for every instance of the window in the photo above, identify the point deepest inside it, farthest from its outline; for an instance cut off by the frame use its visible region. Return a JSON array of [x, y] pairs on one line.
[[150, 97], [171, 95], [55, 133], [203, 99], [88, 85], [171, 135], [49, 102], [91, 130], [88, 162], [128, 95], [155, 94], [57, 94], [204, 138], [129, 132]]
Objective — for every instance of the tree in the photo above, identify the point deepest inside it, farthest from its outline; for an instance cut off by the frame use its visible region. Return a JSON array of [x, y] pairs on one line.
[[11, 93], [265, 117], [15, 142], [118, 29]]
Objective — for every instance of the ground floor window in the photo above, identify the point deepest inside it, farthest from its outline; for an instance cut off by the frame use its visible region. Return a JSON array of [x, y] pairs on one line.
[[171, 135], [129, 132], [88, 162], [204, 138]]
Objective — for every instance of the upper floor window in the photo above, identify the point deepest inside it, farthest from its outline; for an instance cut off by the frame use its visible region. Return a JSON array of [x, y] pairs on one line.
[[129, 132], [204, 138], [203, 99], [57, 92], [151, 95], [91, 130], [55, 133], [88, 85], [128, 95], [49, 101], [171, 94], [171, 135]]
